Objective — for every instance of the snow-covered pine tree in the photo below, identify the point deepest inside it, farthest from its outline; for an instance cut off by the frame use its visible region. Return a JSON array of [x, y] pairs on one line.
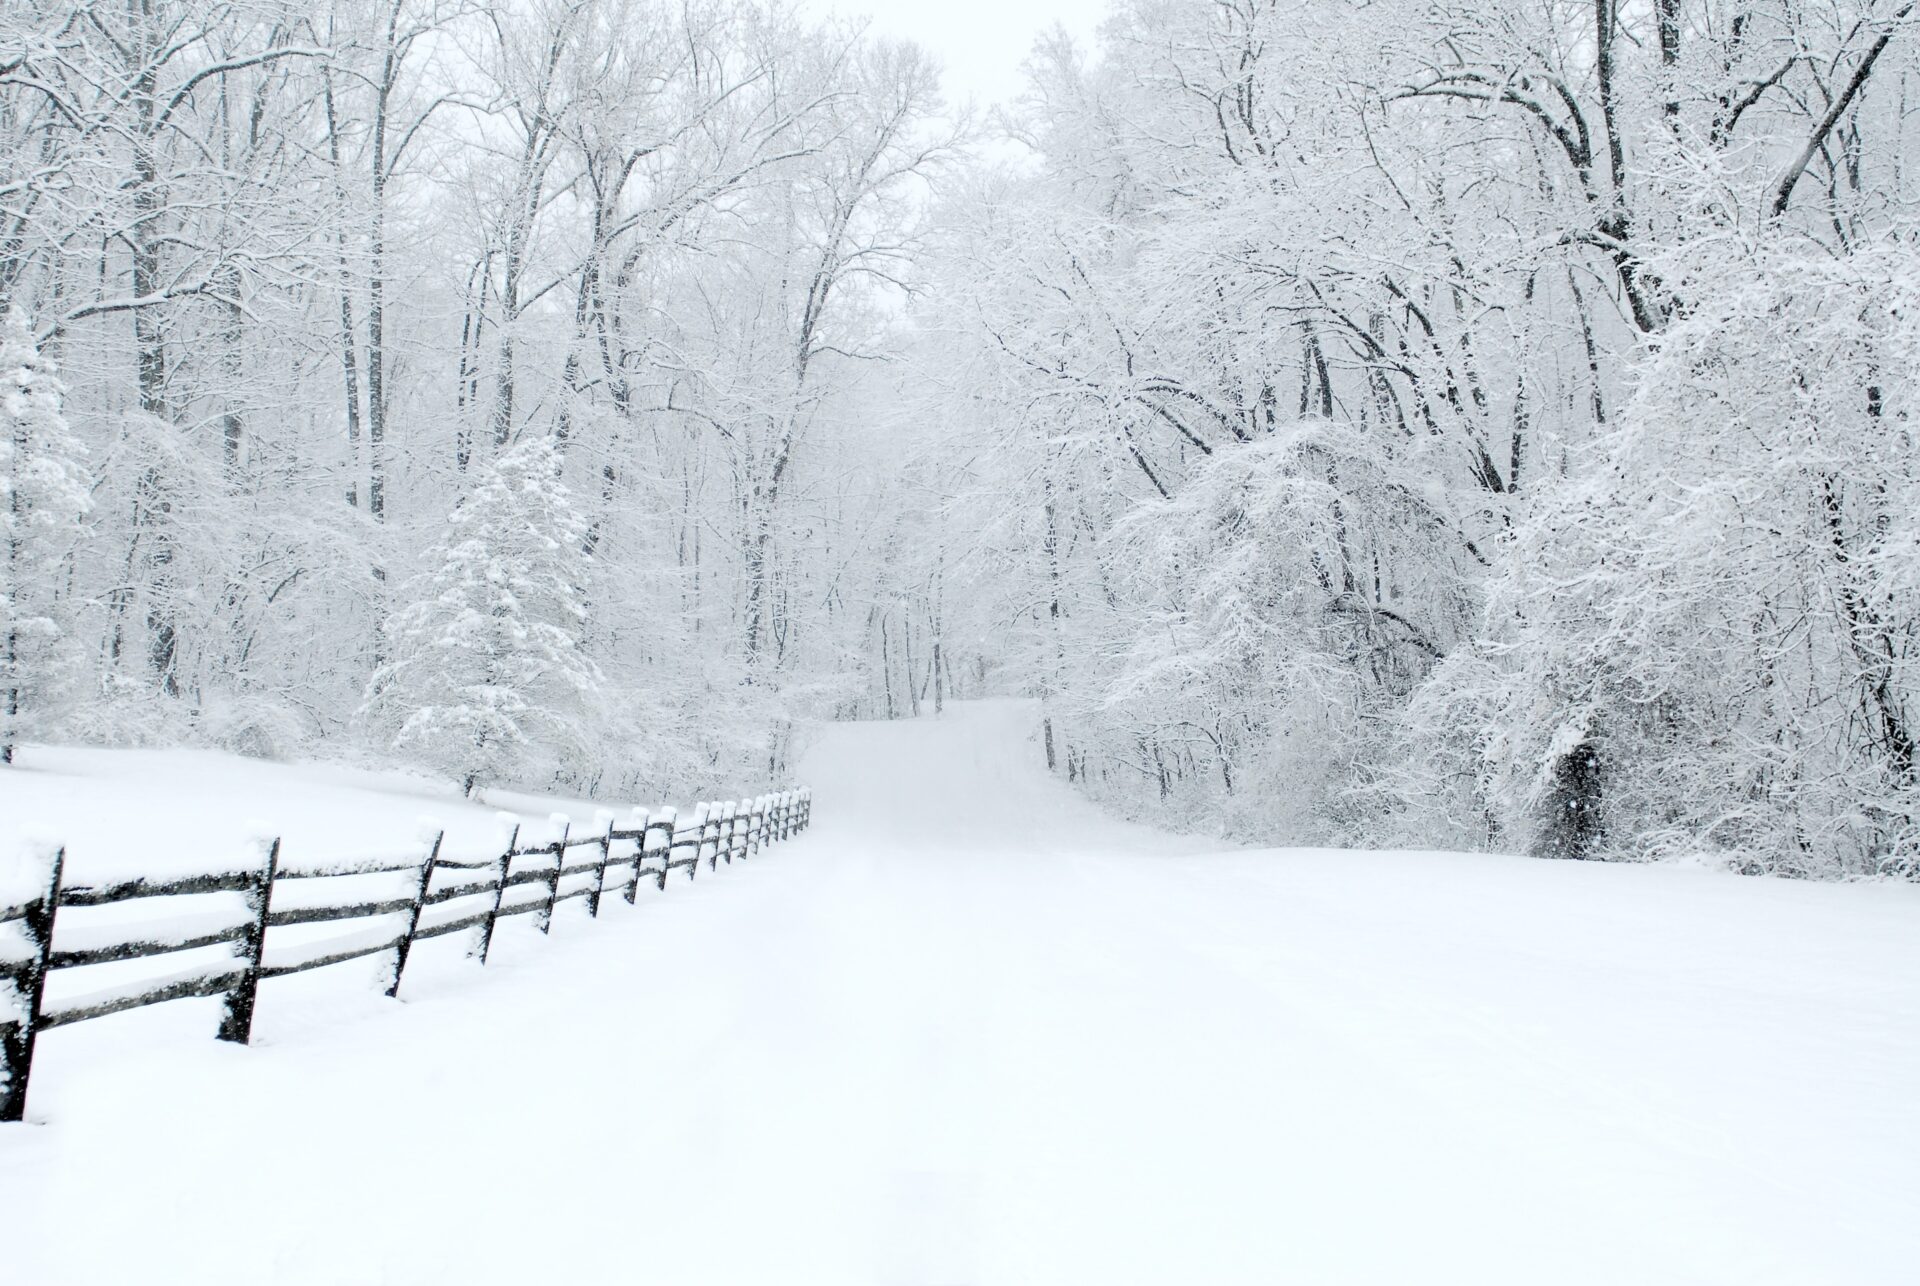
[[45, 488], [486, 678]]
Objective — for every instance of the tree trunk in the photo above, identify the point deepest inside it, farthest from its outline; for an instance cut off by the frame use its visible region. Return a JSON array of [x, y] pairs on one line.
[[1570, 824], [349, 336], [377, 278]]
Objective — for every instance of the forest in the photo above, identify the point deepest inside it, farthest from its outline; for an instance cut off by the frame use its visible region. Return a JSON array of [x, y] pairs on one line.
[[1436, 424]]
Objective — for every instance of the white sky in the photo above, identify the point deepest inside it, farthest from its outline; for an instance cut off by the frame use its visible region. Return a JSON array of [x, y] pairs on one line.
[[980, 43]]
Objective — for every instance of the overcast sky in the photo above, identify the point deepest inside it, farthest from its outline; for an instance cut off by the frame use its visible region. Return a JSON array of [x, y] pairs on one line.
[[981, 43]]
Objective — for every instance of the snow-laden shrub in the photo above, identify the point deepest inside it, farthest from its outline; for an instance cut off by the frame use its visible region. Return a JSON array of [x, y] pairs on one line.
[[1272, 644], [256, 724], [1720, 604]]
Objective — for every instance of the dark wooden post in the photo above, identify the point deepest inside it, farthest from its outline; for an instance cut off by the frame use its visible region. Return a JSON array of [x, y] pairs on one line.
[[639, 851], [713, 820], [16, 1038], [553, 881], [600, 876], [755, 811], [663, 820], [737, 832], [698, 831], [405, 945], [499, 890], [236, 1024]]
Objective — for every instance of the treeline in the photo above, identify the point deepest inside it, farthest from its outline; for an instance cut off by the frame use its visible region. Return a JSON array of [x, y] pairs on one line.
[[1473, 422], [1429, 422], [490, 383]]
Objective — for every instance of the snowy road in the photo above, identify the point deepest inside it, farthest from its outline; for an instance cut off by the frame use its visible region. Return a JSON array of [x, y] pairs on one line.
[[969, 1031]]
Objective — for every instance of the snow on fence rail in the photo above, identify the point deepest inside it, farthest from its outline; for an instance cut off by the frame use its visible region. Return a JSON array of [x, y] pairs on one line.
[[406, 912]]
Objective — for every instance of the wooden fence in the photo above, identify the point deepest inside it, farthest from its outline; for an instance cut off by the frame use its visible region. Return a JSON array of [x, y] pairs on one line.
[[278, 894]]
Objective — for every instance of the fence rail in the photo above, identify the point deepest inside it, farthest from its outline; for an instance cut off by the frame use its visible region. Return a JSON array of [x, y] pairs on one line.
[[655, 845]]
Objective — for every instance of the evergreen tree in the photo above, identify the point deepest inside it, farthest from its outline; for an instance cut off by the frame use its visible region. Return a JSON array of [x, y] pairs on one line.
[[46, 497], [486, 678]]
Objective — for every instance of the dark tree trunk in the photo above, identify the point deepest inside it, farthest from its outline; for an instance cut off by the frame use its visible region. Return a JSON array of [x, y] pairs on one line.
[[1570, 822]]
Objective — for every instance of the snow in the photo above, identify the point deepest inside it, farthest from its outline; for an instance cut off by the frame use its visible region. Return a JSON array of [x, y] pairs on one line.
[[126, 813], [70, 999], [968, 1029], [86, 929]]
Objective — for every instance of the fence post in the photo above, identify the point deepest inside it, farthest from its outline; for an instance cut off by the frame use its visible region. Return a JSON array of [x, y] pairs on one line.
[[236, 1024], [737, 832], [667, 819], [639, 852], [405, 945], [606, 855], [499, 890], [699, 832], [714, 812], [30, 983], [559, 860]]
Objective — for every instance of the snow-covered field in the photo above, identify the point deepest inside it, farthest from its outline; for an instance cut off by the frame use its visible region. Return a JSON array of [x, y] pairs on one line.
[[968, 1030], [123, 813]]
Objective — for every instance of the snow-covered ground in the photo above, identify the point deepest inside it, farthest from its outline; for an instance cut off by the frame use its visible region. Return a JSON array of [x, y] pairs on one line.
[[968, 1030], [123, 813]]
